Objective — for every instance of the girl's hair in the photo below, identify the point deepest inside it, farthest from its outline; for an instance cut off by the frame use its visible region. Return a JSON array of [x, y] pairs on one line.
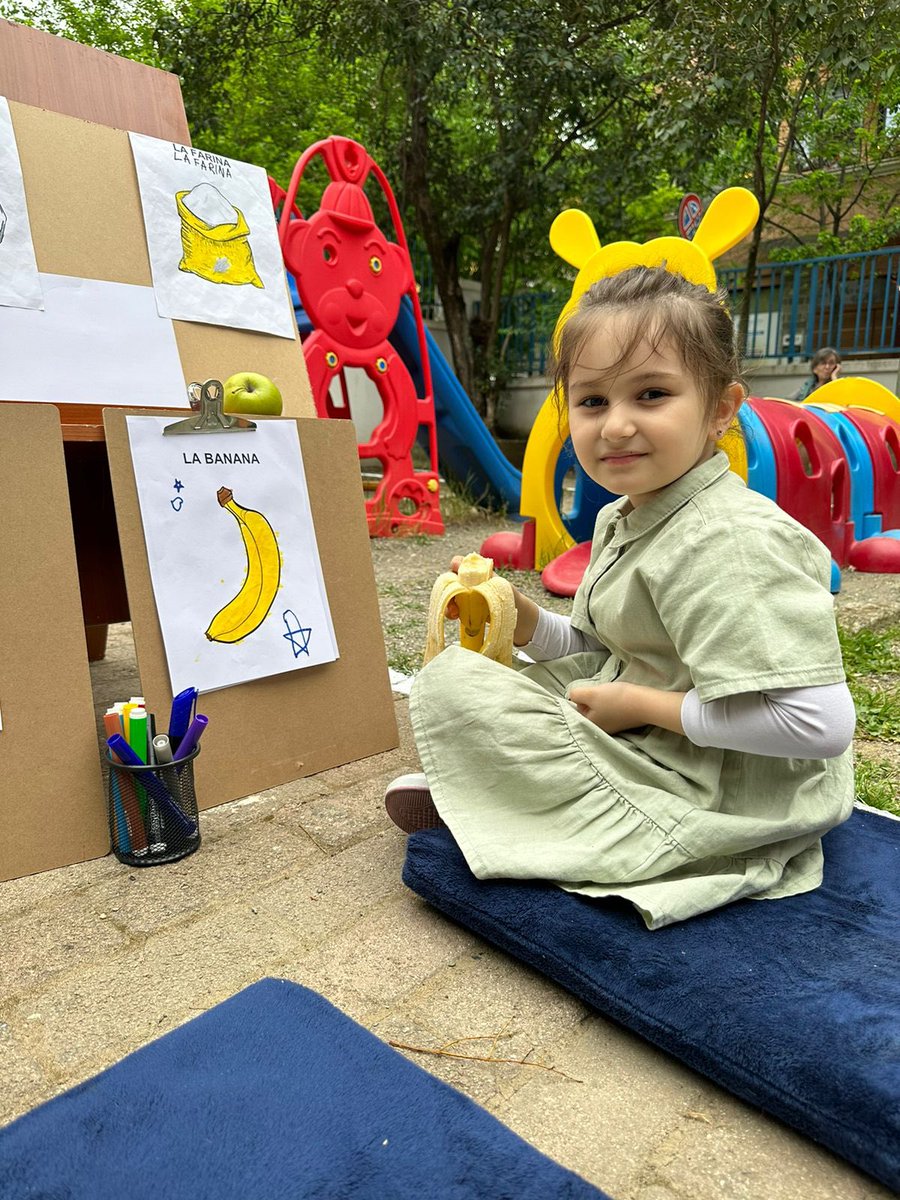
[[823, 355], [656, 305]]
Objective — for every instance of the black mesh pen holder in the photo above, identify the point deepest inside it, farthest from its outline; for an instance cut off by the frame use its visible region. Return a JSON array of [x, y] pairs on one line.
[[153, 811]]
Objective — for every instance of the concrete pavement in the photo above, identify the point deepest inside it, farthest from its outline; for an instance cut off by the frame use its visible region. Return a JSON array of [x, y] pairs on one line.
[[303, 882]]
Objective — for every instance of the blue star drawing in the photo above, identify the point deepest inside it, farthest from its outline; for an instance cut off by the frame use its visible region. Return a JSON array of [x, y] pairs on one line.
[[177, 485], [296, 634]]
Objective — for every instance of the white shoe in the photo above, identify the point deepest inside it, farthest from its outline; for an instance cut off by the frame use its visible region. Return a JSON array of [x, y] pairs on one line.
[[409, 804]]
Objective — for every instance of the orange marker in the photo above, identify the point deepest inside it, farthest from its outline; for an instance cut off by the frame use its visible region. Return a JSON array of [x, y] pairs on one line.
[[131, 835]]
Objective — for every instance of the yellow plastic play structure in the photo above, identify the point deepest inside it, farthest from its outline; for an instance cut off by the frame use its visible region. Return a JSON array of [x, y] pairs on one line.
[[729, 218], [855, 391]]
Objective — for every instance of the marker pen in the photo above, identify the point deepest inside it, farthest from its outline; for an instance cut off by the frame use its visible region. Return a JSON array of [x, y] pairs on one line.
[[182, 710], [129, 824], [154, 820], [191, 739], [137, 732], [163, 748], [137, 740], [123, 839], [155, 787], [163, 751]]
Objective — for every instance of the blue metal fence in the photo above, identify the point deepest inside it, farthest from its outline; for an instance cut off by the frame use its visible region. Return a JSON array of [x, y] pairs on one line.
[[526, 326], [424, 277], [851, 302]]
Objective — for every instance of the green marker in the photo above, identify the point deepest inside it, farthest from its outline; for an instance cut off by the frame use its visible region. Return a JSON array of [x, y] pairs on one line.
[[137, 740]]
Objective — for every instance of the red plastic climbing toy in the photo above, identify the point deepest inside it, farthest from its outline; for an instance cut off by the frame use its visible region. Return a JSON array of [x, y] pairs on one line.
[[813, 478], [351, 280]]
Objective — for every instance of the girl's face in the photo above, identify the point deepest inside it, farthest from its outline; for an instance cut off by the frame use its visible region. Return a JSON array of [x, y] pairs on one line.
[[640, 424]]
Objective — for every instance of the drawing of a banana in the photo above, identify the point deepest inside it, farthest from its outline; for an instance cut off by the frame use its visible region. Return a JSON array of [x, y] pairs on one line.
[[248, 609]]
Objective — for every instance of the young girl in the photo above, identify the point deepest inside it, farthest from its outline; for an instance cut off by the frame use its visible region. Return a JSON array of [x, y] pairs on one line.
[[684, 740]]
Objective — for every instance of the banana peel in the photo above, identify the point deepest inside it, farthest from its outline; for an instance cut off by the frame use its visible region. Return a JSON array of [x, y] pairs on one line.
[[487, 610]]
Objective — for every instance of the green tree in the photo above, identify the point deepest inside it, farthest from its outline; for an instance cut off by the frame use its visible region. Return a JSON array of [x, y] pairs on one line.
[[736, 81], [476, 111], [846, 132], [123, 27]]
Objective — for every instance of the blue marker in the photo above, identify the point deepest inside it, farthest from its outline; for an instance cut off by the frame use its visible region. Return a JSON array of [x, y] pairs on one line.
[[191, 739], [182, 711], [154, 786]]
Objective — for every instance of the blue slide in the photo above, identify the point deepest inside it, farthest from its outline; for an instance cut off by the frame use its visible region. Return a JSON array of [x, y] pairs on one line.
[[466, 449]]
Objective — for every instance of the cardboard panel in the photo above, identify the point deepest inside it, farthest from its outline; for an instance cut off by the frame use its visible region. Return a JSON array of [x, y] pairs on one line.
[[51, 72], [52, 807], [85, 212], [273, 730]]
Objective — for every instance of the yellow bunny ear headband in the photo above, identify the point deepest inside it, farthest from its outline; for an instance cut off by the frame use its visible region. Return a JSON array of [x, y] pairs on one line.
[[729, 218]]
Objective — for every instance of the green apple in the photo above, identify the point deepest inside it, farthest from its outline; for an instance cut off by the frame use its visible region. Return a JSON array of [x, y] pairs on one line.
[[249, 393]]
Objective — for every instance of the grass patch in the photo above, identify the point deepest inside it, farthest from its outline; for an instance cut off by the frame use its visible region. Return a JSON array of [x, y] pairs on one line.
[[877, 712], [867, 655], [405, 662], [460, 504], [878, 785]]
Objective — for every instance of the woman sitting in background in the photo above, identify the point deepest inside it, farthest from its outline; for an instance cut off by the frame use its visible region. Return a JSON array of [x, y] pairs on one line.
[[824, 366]]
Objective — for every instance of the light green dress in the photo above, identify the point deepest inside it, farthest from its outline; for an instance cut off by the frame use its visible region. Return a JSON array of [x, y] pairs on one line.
[[709, 585]]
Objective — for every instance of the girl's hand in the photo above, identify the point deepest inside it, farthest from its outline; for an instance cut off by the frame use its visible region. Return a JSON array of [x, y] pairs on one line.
[[452, 610], [836, 371], [610, 706], [616, 706]]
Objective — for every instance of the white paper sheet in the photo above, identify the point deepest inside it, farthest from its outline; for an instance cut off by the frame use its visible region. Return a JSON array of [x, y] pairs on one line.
[[93, 343], [220, 264], [200, 561], [19, 282]]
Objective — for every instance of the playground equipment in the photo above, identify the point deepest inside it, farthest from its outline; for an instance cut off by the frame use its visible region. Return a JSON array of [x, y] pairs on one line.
[[468, 452], [832, 464], [729, 218], [351, 280], [834, 467]]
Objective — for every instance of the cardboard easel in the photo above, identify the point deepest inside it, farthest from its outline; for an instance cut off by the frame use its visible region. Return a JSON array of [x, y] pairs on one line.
[[48, 72], [52, 810], [85, 214], [86, 221], [273, 730]]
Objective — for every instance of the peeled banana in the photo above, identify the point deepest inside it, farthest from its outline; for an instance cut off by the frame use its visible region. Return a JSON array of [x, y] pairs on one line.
[[249, 608], [487, 610]]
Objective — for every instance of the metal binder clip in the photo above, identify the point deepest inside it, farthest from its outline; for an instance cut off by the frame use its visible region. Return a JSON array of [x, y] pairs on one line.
[[206, 401]]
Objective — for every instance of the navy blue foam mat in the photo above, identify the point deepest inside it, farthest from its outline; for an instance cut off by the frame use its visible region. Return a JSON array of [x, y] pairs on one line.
[[793, 1004], [272, 1095]]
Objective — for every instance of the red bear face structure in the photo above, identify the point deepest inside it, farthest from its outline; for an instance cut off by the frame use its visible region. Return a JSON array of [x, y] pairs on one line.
[[350, 277]]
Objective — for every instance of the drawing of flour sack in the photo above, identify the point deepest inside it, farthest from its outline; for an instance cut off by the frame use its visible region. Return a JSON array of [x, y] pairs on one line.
[[209, 220], [215, 237]]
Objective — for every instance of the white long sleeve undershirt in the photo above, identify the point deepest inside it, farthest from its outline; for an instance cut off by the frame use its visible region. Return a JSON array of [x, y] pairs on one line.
[[807, 722]]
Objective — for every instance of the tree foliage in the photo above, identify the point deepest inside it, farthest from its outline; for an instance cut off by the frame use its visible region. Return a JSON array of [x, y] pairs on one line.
[[490, 116], [747, 75], [499, 100], [847, 128]]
